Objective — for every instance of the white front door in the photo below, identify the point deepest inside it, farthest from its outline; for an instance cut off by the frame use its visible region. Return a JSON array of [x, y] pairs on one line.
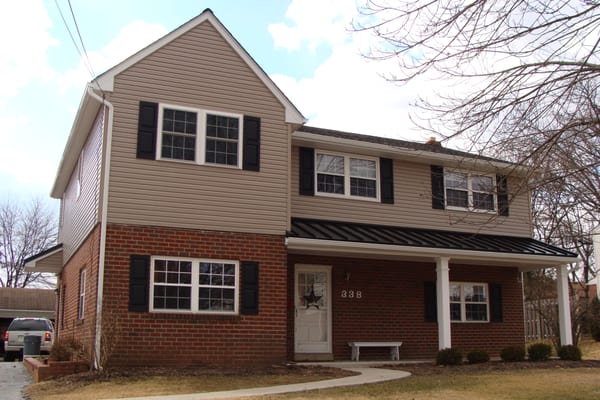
[[313, 309]]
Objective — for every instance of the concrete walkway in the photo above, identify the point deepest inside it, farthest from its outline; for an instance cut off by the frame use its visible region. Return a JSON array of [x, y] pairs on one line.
[[368, 374], [13, 378]]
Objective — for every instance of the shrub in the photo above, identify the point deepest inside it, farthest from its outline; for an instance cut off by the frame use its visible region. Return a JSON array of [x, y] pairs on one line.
[[539, 351], [513, 353], [569, 352], [451, 356], [477, 357], [66, 349]]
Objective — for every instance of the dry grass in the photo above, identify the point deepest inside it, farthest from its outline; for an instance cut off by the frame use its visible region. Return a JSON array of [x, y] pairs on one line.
[[153, 382], [579, 383], [518, 381]]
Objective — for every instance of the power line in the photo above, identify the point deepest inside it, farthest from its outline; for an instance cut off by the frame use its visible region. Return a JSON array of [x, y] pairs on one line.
[[84, 55], [87, 59]]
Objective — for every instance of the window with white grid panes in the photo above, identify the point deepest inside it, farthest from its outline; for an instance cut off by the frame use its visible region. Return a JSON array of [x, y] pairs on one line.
[[469, 302], [343, 175], [194, 285]]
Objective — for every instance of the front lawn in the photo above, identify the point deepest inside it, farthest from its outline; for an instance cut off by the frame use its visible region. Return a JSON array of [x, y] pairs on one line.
[[534, 384]]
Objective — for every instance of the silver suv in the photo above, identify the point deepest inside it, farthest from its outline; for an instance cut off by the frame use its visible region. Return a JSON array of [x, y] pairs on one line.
[[21, 327]]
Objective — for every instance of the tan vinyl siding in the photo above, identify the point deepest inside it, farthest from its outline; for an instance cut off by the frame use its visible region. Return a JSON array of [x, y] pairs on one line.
[[412, 207], [198, 70], [81, 213]]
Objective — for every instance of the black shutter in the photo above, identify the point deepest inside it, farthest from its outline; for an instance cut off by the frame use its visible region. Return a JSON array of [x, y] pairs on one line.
[[430, 297], [251, 150], [437, 187], [307, 171], [386, 174], [139, 281], [147, 123], [495, 303], [502, 189], [249, 288]]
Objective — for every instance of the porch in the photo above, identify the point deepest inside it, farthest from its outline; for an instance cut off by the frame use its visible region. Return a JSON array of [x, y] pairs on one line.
[[429, 289]]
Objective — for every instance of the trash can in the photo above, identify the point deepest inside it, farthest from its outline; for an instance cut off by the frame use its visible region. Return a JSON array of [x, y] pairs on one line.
[[31, 346]]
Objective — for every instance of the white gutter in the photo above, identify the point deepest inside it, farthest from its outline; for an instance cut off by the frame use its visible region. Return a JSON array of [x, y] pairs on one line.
[[355, 248], [103, 222]]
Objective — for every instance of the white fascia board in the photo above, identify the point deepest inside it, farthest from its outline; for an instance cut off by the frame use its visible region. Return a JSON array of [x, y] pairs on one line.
[[386, 250], [420, 156], [86, 114], [107, 80]]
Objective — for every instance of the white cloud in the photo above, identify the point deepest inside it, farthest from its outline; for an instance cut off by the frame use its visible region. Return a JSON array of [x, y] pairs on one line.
[[25, 40], [314, 22], [132, 38], [346, 92]]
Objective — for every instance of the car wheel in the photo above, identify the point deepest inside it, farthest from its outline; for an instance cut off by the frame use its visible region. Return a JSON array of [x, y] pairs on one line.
[[9, 356]]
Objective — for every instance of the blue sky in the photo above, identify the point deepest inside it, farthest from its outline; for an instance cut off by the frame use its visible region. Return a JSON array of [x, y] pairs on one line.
[[304, 45]]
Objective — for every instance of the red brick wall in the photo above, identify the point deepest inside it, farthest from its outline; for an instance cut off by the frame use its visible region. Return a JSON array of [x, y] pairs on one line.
[[182, 339], [391, 307], [69, 325]]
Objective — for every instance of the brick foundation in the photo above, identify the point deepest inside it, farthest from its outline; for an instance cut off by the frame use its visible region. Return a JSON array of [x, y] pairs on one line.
[[186, 339], [391, 307]]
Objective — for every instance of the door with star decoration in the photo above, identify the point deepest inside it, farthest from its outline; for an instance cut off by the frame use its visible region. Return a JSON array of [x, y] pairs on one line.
[[312, 309]]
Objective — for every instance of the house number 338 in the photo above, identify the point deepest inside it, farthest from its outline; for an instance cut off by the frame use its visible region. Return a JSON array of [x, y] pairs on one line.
[[351, 294]]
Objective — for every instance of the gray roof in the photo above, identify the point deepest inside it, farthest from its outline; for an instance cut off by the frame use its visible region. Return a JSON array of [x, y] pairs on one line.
[[405, 144], [19, 302], [426, 238]]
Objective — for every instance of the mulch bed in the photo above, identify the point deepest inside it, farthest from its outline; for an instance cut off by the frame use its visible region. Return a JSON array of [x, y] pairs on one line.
[[492, 366]]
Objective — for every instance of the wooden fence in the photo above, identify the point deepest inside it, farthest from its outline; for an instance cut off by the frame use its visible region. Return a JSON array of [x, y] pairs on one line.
[[540, 316]]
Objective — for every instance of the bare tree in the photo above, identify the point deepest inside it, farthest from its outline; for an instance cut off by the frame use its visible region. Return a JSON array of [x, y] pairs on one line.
[[24, 231], [518, 68]]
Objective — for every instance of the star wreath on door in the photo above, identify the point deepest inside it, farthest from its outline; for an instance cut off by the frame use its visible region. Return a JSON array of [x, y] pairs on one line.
[[311, 299]]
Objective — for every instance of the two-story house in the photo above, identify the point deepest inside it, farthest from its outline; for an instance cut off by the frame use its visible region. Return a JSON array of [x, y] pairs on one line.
[[203, 222]]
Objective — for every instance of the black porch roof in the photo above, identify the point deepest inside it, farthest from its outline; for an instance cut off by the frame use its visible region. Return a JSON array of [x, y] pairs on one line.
[[423, 238]]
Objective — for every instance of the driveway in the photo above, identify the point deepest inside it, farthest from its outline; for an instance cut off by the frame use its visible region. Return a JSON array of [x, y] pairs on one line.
[[13, 378]]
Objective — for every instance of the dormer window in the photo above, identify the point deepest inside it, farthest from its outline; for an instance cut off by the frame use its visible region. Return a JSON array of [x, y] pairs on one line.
[[346, 175]]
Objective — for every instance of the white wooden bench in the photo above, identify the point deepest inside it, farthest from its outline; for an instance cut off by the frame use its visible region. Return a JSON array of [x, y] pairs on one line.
[[394, 348]]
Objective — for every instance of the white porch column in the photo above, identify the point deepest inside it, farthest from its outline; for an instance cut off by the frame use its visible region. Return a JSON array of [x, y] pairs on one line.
[[564, 309], [443, 302]]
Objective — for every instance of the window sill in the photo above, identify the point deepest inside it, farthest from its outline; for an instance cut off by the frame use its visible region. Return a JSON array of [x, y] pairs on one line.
[[342, 196], [474, 210], [188, 316], [205, 164], [470, 322]]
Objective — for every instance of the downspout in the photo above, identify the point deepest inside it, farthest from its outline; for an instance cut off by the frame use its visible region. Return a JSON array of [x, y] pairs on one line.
[[103, 221]]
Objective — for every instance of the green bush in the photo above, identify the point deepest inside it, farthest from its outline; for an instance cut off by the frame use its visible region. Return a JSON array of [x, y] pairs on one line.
[[451, 356], [569, 352], [477, 357], [539, 352], [513, 353], [66, 349]]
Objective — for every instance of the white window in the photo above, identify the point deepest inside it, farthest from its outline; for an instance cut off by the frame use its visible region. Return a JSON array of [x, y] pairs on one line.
[[470, 191], [200, 136], [81, 305], [469, 302], [347, 176], [194, 285]]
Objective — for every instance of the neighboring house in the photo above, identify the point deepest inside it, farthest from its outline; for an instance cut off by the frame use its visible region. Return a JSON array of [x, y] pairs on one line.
[[206, 223], [19, 302]]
